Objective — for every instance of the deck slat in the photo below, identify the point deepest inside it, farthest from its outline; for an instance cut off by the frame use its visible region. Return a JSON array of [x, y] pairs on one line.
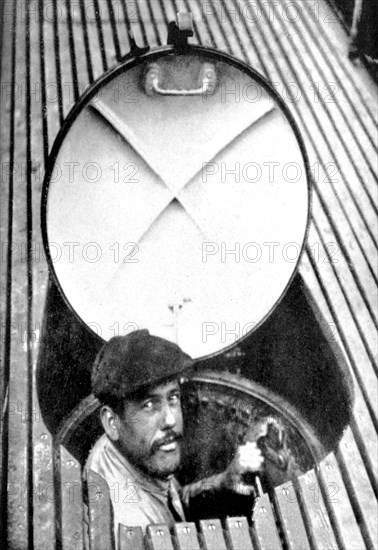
[[290, 517], [99, 508], [72, 526], [264, 526], [212, 534], [159, 537], [186, 536], [339, 506], [359, 488], [45, 509], [238, 535], [130, 538], [316, 517], [20, 477]]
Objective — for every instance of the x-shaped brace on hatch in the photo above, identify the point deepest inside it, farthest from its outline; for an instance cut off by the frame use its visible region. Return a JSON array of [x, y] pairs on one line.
[[140, 149]]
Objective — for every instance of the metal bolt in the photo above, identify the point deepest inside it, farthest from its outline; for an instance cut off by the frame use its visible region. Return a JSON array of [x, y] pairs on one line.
[[238, 523]]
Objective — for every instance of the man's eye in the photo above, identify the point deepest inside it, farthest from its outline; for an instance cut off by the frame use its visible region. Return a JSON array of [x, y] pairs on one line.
[[148, 405], [175, 399]]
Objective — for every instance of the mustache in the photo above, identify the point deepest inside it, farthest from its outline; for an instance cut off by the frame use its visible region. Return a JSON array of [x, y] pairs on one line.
[[168, 438]]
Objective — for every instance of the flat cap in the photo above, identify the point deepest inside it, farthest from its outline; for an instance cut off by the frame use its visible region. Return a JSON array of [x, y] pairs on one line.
[[125, 364]]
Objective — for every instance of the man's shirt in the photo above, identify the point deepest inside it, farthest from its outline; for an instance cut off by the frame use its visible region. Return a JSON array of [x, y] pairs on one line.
[[137, 499]]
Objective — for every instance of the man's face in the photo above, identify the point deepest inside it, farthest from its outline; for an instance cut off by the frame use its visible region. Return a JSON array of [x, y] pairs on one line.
[[150, 430]]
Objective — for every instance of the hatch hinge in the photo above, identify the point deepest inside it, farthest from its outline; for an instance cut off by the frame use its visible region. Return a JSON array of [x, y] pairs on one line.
[[179, 32]]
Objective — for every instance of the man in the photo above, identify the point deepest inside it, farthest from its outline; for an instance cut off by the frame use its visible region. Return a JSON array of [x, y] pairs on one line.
[[136, 378]]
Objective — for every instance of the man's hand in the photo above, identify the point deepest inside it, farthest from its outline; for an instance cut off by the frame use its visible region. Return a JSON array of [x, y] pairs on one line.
[[248, 458]]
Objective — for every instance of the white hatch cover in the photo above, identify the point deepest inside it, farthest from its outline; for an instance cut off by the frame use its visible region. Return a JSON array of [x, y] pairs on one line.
[[184, 214]]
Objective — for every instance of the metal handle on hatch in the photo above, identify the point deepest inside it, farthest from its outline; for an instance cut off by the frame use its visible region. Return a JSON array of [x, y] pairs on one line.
[[207, 77]]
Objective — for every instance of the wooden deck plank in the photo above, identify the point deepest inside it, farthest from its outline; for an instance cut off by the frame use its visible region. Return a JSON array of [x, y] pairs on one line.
[[99, 508], [130, 538], [316, 517], [44, 510], [264, 526], [238, 534], [155, 32], [65, 58], [20, 486], [186, 536], [339, 505], [359, 488], [166, 11], [367, 442], [290, 517], [6, 186], [72, 525], [159, 537], [93, 39], [212, 535]]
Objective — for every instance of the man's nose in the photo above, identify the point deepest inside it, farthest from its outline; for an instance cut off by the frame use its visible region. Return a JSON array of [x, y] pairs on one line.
[[168, 417]]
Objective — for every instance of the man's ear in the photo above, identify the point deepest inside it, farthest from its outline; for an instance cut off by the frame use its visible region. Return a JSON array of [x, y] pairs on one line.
[[110, 422]]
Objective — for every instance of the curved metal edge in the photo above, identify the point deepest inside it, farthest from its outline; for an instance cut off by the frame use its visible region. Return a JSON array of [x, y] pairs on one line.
[[288, 411], [87, 406]]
